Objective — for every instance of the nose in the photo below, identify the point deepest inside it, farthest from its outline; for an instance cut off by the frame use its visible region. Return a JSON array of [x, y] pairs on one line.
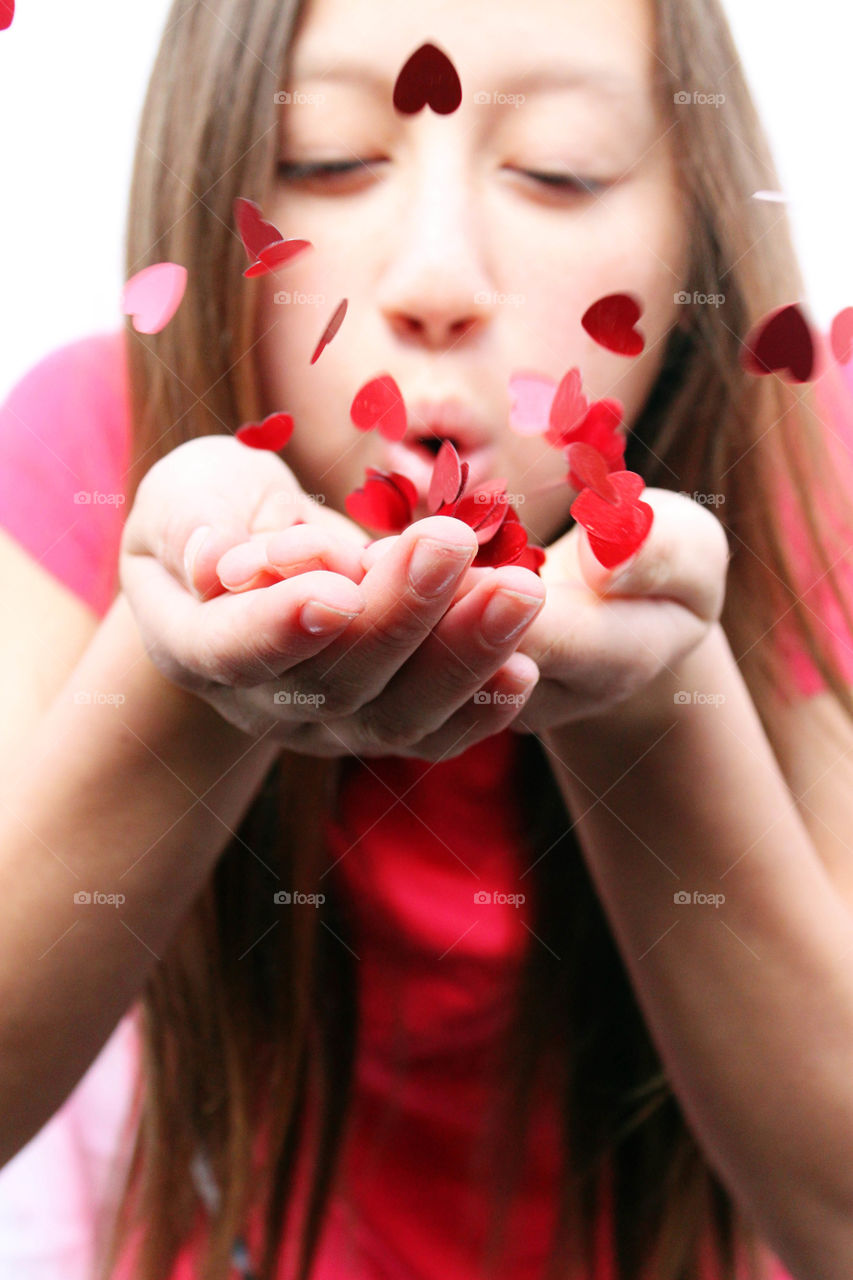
[[435, 289]]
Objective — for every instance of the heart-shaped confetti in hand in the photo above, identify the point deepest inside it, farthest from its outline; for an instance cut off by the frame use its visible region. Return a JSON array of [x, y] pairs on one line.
[[780, 343], [615, 530], [589, 470], [483, 509], [841, 335], [330, 330], [507, 545], [532, 395], [568, 409], [600, 428], [611, 321], [427, 78], [448, 479], [273, 433], [379, 403], [385, 501], [153, 295], [7, 13]]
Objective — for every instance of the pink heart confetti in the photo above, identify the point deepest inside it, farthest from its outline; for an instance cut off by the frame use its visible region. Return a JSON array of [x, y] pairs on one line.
[[273, 433], [780, 343], [568, 409], [379, 403], [428, 77], [153, 295], [448, 478], [615, 531], [330, 330], [841, 335], [611, 321], [532, 396], [386, 501], [589, 470]]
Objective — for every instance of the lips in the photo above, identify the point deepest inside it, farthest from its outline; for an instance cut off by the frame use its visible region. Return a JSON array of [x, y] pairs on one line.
[[447, 419]]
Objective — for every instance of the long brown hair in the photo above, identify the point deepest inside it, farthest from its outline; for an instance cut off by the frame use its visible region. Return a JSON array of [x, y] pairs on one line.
[[239, 1034]]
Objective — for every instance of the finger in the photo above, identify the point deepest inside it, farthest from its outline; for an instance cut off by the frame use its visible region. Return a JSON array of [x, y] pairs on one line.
[[468, 645], [270, 557], [683, 558]]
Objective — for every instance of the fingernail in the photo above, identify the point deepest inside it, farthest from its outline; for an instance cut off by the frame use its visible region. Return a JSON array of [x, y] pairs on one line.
[[506, 614], [320, 618], [433, 565], [192, 548]]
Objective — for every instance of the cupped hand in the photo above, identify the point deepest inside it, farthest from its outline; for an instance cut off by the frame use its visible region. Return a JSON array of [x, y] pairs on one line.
[[330, 657]]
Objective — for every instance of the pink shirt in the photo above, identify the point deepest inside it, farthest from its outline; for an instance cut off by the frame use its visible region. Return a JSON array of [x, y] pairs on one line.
[[413, 843]]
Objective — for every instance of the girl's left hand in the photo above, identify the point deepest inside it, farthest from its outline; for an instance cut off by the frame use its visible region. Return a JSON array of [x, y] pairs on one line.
[[604, 635]]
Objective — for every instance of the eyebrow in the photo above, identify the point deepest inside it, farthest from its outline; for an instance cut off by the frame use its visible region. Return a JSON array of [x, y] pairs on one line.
[[544, 79]]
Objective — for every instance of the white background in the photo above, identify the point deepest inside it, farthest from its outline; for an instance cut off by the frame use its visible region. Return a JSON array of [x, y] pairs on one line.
[[72, 79]]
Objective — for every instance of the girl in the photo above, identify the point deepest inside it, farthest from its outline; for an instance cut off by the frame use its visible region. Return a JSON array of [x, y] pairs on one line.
[[483, 922]]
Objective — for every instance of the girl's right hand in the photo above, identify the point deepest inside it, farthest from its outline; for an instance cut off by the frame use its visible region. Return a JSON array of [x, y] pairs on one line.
[[329, 658]]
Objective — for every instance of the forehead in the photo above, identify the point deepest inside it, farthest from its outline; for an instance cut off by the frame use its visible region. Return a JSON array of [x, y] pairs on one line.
[[605, 45]]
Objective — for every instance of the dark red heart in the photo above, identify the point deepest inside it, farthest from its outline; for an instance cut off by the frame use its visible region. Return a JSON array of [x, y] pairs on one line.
[[568, 408], [276, 255], [7, 13], [506, 546], [379, 403], [841, 335], [588, 470], [484, 509], [330, 330], [780, 343], [255, 232], [448, 478], [385, 501], [615, 531], [428, 77], [273, 433], [531, 558], [611, 321]]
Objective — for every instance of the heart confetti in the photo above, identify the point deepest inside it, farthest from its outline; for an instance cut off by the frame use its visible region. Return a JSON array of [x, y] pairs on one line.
[[568, 409], [449, 476], [508, 543], [588, 469], [428, 77], [153, 295], [263, 242], [600, 428], [273, 433], [7, 13], [330, 330], [615, 530], [780, 343], [483, 509], [532, 395], [380, 404], [841, 335], [386, 501], [275, 256], [611, 321]]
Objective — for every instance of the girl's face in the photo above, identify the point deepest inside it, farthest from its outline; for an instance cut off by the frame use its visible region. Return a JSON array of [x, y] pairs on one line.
[[459, 263]]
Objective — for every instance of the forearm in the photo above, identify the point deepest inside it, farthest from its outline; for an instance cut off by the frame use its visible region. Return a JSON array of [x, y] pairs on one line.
[[137, 799], [750, 1002]]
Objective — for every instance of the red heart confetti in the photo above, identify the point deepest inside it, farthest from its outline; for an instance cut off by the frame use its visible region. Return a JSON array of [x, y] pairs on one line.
[[611, 321], [385, 501], [841, 335], [615, 531], [7, 13], [600, 429], [380, 404], [568, 409], [428, 77], [153, 295], [508, 543], [780, 343], [588, 469], [448, 478], [275, 256], [273, 433], [532, 395], [255, 232], [531, 558], [330, 330], [483, 509]]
